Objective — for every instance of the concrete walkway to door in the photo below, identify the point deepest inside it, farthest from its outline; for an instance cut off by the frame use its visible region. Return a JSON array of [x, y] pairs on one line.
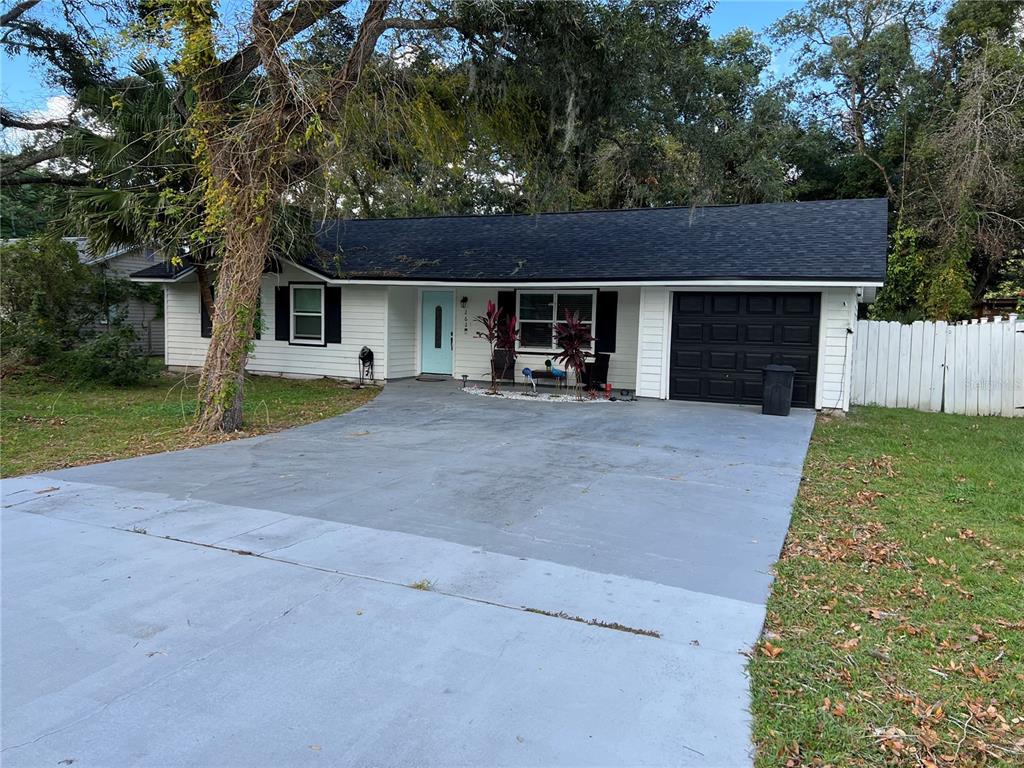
[[127, 605]]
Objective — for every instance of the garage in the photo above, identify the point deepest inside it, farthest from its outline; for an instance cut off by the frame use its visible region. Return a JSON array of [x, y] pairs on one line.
[[721, 341]]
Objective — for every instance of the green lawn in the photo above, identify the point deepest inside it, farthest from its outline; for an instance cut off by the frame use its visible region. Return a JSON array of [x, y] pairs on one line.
[[895, 632], [48, 425]]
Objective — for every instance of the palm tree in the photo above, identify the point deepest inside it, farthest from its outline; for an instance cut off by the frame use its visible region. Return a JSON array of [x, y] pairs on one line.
[[142, 185]]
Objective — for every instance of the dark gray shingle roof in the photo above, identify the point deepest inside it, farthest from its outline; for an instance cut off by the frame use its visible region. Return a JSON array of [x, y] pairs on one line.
[[833, 240]]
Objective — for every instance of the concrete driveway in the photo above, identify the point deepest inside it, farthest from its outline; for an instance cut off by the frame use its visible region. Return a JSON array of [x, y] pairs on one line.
[[592, 575]]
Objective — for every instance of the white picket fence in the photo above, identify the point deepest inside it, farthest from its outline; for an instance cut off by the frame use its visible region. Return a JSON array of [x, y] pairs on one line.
[[975, 368]]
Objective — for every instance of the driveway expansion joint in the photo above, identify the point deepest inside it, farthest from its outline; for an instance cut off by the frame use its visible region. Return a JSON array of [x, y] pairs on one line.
[[611, 625]]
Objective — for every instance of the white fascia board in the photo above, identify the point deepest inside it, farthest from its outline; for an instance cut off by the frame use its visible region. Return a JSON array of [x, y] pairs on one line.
[[612, 283], [589, 283]]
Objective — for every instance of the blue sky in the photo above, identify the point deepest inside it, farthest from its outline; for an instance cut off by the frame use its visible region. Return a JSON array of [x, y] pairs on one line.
[[22, 88], [754, 14]]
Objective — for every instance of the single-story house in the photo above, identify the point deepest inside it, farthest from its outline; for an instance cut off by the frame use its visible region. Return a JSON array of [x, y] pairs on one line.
[[144, 317], [690, 303]]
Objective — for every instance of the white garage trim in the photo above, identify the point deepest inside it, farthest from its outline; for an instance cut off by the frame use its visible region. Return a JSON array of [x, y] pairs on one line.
[[836, 323]]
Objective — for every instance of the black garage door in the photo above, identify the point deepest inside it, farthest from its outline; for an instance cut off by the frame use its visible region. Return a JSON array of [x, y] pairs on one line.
[[721, 341]]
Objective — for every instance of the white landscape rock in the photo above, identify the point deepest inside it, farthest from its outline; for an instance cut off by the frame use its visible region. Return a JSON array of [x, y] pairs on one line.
[[564, 396]]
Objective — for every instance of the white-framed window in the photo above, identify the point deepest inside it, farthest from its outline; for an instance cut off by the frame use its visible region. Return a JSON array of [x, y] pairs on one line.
[[307, 314], [538, 311]]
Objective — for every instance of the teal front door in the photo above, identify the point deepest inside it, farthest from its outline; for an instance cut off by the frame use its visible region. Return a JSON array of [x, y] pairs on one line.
[[436, 332]]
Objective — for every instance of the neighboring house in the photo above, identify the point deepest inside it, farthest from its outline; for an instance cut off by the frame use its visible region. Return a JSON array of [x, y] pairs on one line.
[[690, 303], [145, 317]]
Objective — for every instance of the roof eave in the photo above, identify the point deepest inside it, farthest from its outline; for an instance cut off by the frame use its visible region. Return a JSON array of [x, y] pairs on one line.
[[139, 278]]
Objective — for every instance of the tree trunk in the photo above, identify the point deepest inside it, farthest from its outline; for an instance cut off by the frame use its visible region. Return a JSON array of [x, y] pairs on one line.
[[205, 294], [246, 242]]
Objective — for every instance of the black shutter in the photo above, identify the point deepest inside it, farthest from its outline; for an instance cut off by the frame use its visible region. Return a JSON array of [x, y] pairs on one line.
[[332, 314], [205, 321], [259, 314], [282, 313], [604, 325], [507, 303]]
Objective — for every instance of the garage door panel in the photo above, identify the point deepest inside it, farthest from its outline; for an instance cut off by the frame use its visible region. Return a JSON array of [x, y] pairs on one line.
[[690, 303], [688, 332], [722, 341], [687, 359], [723, 332], [797, 334], [803, 363], [725, 304], [805, 304], [722, 389], [686, 388], [721, 360], [759, 334], [761, 304], [755, 361], [751, 390]]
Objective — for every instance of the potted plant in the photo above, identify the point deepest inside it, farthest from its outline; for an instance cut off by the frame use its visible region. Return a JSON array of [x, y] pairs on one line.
[[503, 359], [574, 340], [502, 336]]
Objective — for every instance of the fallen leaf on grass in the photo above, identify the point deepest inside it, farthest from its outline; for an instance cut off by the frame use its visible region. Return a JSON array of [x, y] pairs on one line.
[[837, 709], [986, 675], [769, 650], [866, 498], [1010, 624], [878, 614], [979, 634]]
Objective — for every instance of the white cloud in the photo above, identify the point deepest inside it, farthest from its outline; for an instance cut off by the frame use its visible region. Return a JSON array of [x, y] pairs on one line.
[[57, 108]]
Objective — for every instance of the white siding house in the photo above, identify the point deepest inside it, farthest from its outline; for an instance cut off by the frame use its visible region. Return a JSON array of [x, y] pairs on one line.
[[696, 320], [364, 322]]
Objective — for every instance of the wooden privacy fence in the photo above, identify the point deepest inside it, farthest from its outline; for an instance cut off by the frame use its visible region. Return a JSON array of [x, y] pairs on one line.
[[975, 368]]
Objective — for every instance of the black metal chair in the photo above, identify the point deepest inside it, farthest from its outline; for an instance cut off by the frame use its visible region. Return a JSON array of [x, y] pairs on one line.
[[596, 371]]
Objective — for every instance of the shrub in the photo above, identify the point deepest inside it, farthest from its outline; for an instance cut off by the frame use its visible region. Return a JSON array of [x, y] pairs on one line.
[[899, 297], [46, 297], [49, 304], [111, 357], [575, 340]]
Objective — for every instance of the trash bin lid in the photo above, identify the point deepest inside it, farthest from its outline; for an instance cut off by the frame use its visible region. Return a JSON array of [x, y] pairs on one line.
[[780, 368]]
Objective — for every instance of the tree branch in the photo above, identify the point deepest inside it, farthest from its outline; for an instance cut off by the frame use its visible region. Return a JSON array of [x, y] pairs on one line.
[[374, 25], [43, 178], [295, 20], [20, 162], [17, 11], [10, 120]]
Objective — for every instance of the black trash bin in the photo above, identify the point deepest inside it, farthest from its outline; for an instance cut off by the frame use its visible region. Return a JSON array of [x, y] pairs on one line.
[[777, 396]]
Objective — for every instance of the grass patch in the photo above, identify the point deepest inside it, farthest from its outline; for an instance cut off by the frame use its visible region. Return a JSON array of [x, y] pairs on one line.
[[46, 424], [895, 631]]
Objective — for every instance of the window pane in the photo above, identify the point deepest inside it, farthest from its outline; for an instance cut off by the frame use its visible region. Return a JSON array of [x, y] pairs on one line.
[[307, 326], [581, 303], [306, 299], [535, 335], [536, 306]]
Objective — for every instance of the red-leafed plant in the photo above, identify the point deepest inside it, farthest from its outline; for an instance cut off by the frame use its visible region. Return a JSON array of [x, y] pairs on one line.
[[501, 335], [574, 339]]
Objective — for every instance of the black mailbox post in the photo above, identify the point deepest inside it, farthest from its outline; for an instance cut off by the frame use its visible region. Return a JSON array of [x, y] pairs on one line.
[[777, 396]]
